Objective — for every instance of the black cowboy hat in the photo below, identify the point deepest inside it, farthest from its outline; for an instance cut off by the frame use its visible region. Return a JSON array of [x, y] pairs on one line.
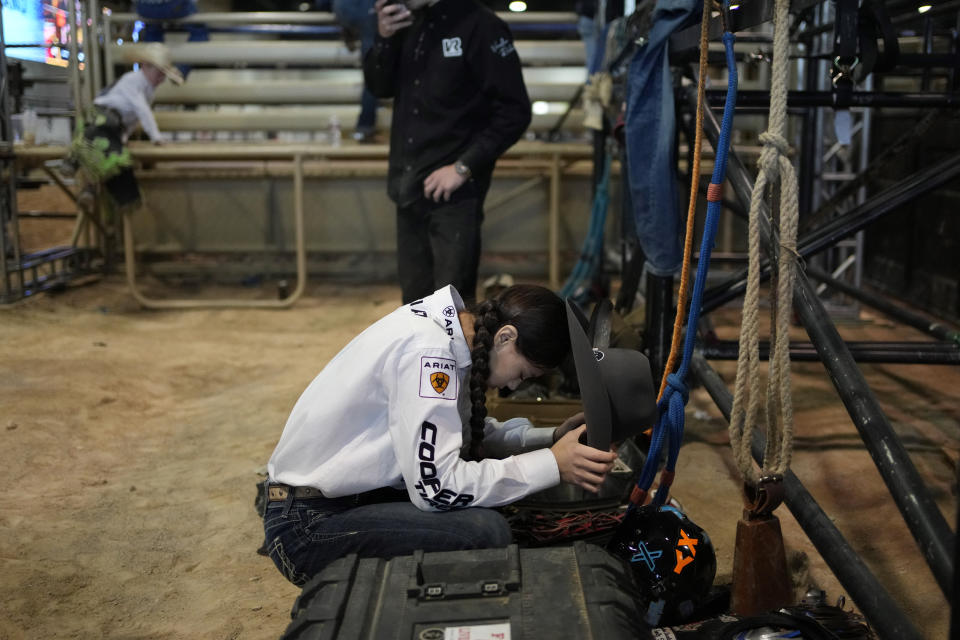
[[616, 386]]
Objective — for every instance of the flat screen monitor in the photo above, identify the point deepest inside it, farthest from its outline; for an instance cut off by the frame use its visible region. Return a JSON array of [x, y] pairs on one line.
[[39, 30]]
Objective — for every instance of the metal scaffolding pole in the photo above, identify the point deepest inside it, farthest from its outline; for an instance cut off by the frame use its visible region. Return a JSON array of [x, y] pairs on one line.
[[920, 512], [10, 272], [92, 47], [895, 312], [887, 201], [903, 99], [861, 216], [867, 352], [75, 82], [880, 609], [325, 17]]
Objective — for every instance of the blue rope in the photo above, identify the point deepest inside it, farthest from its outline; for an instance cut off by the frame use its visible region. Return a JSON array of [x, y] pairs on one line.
[[591, 255], [669, 425]]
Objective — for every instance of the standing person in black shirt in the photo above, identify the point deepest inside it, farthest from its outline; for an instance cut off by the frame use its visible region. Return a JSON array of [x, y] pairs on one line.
[[459, 103]]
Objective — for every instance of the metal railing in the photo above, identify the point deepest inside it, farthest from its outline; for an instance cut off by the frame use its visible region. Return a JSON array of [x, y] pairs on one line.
[[540, 160]]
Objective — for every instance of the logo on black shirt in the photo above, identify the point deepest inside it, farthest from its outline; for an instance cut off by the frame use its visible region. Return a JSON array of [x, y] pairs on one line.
[[502, 47], [452, 48]]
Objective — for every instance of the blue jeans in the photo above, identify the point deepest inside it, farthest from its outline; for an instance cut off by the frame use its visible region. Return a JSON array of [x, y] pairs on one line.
[[650, 127], [310, 534], [355, 15], [587, 29]]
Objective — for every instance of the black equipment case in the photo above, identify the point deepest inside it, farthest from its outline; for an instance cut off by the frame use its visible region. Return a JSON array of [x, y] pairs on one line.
[[577, 592]]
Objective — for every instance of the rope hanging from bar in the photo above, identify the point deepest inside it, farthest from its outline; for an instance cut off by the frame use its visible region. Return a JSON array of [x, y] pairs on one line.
[[775, 168], [671, 405], [692, 203]]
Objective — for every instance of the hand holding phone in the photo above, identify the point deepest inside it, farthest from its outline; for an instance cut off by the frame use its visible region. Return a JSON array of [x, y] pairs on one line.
[[392, 16]]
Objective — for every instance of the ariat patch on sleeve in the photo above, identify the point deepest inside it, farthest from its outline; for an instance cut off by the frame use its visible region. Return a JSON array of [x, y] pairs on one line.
[[438, 378]]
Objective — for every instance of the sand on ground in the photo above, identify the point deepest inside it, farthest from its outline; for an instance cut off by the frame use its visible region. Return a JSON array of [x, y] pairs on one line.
[[130, 443]]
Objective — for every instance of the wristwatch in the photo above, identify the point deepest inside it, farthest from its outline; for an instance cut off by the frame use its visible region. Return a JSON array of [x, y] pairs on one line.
[[462, 169]]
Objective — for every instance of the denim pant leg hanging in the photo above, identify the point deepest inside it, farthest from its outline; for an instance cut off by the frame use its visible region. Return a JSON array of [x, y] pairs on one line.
[[650, 125]]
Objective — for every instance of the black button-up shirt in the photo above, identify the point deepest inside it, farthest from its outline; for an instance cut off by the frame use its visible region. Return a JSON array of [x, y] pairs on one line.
[[458, 93]]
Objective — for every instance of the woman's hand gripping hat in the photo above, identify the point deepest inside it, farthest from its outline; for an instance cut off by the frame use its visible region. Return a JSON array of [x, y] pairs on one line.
[[616, 386]]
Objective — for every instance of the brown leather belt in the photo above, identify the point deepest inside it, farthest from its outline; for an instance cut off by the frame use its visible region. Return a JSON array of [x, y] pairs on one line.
[[280, 492]]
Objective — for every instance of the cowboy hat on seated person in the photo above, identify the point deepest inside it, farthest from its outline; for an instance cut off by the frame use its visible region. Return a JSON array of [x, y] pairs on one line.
[[616, 386]]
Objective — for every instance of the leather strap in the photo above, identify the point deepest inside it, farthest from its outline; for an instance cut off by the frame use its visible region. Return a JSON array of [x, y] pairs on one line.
[[845, 40], [875, 23], [280, 492]]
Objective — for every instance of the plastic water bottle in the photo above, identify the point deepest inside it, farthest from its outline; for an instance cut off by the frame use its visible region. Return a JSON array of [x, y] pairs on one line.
[[335, 134]]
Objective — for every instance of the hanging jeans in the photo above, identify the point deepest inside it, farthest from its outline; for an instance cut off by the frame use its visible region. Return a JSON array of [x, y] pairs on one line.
[[650, 127], [587, 28], [356, 16]]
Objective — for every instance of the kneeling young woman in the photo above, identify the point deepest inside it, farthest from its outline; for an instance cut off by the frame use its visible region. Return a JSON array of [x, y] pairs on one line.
[[390, 450]]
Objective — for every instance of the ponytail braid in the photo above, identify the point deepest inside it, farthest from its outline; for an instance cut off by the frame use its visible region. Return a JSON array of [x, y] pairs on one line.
[[487, 322], [540, 318]]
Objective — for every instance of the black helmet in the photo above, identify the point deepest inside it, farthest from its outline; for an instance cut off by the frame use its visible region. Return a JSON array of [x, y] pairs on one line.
[[671, 558]]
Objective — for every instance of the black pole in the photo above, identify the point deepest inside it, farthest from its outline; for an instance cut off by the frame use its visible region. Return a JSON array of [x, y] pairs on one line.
[[955, 614], [658, 326], [907, 190], [920, 512], [858, 218], [877, 605], [874, 353], [905, 316], [915, 100], [906, 141]]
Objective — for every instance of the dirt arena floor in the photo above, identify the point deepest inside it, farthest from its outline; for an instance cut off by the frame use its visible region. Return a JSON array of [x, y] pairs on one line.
[[130, 443]]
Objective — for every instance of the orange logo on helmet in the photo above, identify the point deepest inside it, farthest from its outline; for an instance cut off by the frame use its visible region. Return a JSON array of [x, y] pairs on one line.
[[691, 545], [439, 381]]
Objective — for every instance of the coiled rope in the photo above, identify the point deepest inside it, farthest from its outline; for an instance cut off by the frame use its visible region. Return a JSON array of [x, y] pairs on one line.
[[775, 167], [671, 404]]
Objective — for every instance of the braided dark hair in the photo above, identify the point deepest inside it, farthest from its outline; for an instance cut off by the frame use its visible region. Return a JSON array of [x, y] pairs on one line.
[[541, 321]]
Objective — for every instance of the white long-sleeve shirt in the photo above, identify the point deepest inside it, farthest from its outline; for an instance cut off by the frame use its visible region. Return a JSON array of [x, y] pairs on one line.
[[132, 96], [389, 410]]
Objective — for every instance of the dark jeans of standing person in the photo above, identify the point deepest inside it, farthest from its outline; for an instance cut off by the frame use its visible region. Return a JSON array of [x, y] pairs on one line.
[[438, 243], [357, 16], [306, 535]]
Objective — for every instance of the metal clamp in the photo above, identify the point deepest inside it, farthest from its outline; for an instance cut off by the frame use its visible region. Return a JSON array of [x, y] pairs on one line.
[[843, 70], [760, 501]]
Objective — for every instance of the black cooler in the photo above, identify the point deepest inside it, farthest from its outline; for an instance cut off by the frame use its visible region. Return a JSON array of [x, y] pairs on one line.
[[577, 592]]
